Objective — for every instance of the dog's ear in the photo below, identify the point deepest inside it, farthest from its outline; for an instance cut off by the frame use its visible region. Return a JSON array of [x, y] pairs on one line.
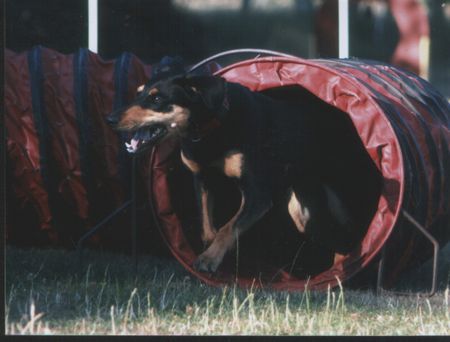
[[210, 89]]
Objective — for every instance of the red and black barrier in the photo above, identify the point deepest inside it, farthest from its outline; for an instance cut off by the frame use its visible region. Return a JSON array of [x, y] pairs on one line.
[[68, 168]]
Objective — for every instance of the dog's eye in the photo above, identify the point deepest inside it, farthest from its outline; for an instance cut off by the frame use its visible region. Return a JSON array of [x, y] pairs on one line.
[[156, 99]]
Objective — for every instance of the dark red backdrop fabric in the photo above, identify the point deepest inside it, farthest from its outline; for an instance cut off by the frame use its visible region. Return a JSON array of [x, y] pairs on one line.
[[68, 168]]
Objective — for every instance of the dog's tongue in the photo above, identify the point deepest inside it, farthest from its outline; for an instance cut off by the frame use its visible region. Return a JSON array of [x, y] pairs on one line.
[[139, 138], [142, 137]]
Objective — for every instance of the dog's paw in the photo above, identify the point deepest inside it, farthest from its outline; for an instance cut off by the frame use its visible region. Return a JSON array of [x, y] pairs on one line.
[[205, 263], [208, 238]]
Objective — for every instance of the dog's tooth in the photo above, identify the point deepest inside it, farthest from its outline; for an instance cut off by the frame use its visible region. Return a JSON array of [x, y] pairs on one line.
[[134, 143], [173, 125]]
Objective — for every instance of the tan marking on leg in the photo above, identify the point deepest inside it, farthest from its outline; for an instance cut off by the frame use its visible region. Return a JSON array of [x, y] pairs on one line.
[[231, 222], [190, 164], [213, 256], [299, 215], [209, 232], [224, 240], [338, 257], [233, 164]]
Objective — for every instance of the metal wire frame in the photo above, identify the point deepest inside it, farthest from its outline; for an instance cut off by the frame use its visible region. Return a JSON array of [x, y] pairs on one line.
[[131, 202], [239, 52], [381, 264]]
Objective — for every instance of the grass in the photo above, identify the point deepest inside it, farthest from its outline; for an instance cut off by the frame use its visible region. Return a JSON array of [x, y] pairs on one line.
[[47, 292]]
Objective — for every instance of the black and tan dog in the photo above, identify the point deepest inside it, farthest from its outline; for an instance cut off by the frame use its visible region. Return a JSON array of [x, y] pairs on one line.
[[270, 147]]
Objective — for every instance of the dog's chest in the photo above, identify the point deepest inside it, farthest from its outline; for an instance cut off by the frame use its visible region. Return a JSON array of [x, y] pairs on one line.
[[231, 164]]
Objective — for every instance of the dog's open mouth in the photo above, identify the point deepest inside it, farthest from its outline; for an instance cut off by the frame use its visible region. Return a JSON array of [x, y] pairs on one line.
[[145, 137]]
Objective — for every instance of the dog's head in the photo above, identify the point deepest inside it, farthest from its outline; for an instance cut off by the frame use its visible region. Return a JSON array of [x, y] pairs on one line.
[[173, 106]]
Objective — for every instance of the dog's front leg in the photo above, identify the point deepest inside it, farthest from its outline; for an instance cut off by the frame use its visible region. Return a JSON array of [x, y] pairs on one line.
[[204, 198], [255, 203], [205, 203]]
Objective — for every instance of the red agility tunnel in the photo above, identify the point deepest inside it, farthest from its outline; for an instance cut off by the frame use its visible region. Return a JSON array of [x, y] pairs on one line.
[[401, 122]]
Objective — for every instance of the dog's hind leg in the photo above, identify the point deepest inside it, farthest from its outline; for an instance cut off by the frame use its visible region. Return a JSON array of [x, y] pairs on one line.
[[337, 207], [329, 222]]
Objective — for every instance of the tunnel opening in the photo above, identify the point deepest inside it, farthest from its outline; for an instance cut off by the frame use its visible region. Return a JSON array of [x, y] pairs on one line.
[[273, 248]]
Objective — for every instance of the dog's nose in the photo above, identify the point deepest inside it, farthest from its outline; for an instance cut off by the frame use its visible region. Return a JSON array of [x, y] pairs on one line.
[[112, 119]]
